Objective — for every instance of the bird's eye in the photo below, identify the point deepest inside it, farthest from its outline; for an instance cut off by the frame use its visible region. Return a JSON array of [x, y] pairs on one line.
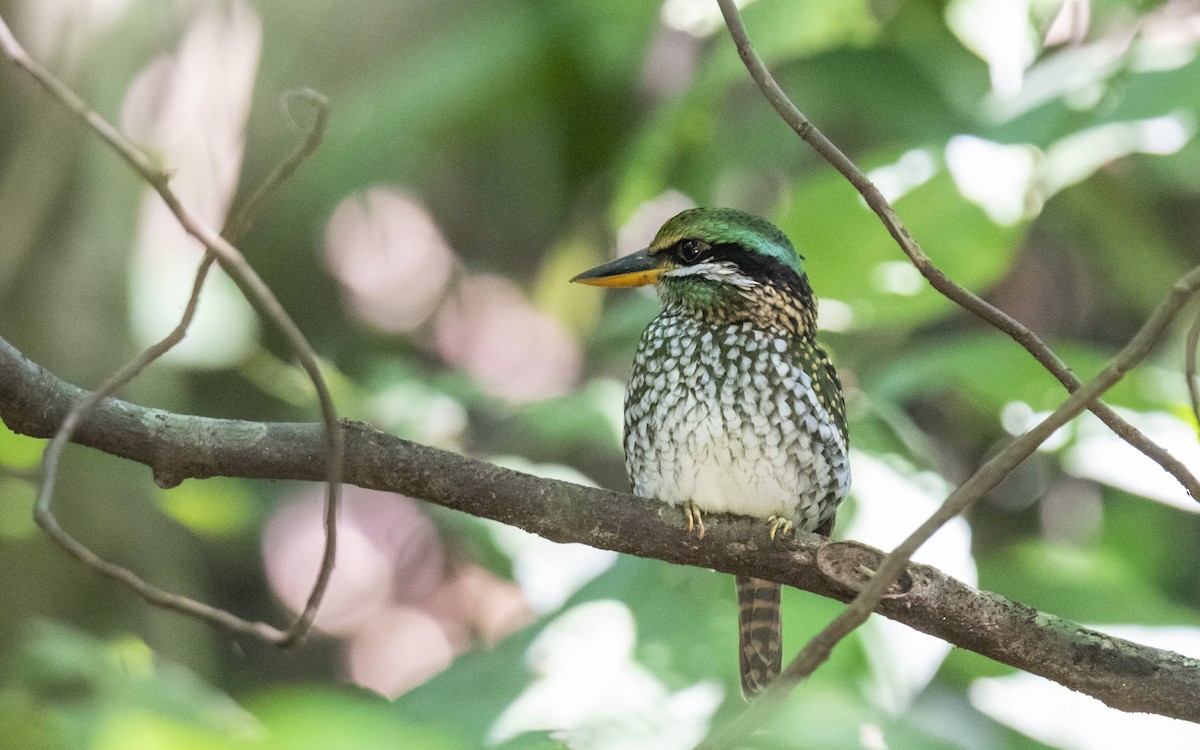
[[690, 249]]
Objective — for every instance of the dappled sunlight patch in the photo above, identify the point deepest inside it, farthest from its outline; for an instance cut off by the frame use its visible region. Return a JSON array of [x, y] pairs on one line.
[[913, 169], [1018, 417], [997, 177], [897, 277], [694, 17], [190, 110], [891, 499], [999, 32], [589, 691], [548, 572], [411, 409], [1086, 72], [1077, 156], [835, 315], [1062, 718], [488, 327], [1100, 455]]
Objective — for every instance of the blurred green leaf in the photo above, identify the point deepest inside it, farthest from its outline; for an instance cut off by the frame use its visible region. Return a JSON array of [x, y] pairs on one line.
[[582, 421], [533, 741], [131, 729], [1091, 586], [1165, 566], [324, 718], [215, 507], [822, 716], [575, 307], [19, 451], [849, 254], [16, 508], [1119, 227], [117, 691], [26, 724], [992, 370]]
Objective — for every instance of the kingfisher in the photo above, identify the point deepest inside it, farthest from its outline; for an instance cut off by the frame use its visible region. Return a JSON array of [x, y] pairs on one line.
[[732, 406]]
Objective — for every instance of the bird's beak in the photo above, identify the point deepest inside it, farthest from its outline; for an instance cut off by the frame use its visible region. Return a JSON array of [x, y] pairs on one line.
[[635, 269]]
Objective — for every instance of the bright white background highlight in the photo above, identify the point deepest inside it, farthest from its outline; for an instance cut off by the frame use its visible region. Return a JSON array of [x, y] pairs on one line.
[[893, 499], [1060, 717]]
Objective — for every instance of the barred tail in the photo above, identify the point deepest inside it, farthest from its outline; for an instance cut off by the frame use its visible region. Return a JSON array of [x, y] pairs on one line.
[[760, 634]]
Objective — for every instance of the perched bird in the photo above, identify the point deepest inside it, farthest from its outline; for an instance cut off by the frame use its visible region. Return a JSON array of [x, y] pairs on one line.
[[732, 406]]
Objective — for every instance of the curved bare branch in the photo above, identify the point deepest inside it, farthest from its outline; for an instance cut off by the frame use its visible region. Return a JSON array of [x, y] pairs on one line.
[[259, 295]]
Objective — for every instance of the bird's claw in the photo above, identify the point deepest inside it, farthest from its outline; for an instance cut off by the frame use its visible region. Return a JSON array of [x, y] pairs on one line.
[[780, 526], [695, 518]]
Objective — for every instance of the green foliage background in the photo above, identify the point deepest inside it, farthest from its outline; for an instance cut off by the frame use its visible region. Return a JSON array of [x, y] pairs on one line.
[[532, 131]]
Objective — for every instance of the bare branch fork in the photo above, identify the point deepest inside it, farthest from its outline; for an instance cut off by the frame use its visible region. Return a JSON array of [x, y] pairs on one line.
[[1083, 397], [218, 247], [176, 447]]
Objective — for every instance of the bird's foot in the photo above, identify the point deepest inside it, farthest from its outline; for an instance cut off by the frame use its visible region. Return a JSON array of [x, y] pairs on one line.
[[695, 518], [780, 526]]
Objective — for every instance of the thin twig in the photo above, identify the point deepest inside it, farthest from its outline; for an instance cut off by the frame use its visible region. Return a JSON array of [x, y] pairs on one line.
[[237, 226], [1189, 367], [936, 278], [261, 298]]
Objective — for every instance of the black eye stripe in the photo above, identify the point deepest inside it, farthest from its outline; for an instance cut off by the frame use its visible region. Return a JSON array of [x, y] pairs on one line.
[[759, 266]]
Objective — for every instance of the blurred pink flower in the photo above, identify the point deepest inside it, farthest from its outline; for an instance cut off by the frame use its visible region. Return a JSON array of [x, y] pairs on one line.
[[398, 650], [636, 233], [390, 258], [402, 609], [488, 327], [387, 550], [492, 607]]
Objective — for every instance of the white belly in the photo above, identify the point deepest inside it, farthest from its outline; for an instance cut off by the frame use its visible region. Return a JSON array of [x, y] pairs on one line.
[[688, 436]]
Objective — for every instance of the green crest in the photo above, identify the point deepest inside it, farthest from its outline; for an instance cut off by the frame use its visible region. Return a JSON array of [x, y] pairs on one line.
[[729, 225]]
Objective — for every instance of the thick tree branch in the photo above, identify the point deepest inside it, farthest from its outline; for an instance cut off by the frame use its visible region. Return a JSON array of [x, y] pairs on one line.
[[1123, 674]]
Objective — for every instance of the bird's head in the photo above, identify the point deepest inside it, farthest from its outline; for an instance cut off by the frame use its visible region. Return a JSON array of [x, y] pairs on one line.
[[718, 262]]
